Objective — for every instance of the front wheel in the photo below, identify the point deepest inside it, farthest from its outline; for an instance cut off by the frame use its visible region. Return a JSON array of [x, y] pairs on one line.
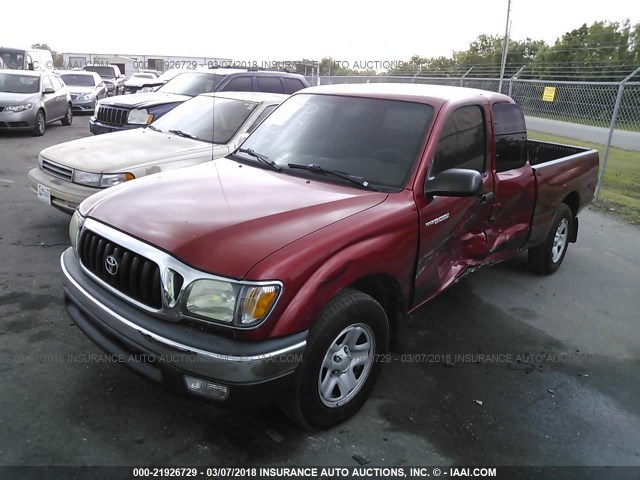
[[339, 367], [548, 257], [39, 127]]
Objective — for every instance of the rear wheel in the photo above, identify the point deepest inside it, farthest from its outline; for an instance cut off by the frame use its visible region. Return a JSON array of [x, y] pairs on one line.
[[40, 126], [548, 257], [68, 117], [339, 367]]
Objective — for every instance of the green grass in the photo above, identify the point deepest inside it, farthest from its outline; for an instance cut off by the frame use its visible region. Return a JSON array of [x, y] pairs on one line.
[[620, 191]]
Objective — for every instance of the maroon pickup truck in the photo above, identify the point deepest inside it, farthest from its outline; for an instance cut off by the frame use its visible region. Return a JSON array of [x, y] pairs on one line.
[[283, 271]]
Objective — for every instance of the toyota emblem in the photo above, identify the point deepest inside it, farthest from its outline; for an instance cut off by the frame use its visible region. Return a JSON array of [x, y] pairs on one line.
[[111, 264]]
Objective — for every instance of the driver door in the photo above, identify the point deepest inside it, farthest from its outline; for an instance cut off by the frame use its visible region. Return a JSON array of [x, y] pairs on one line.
[[452, 228]]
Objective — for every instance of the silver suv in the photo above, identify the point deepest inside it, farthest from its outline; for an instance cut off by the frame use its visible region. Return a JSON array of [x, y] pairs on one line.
[[29, 100]]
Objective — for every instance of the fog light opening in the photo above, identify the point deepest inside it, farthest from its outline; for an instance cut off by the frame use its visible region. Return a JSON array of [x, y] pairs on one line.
[[206, 388]]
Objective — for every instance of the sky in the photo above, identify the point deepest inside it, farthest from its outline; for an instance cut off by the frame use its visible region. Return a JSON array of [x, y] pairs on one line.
[[277, 30]]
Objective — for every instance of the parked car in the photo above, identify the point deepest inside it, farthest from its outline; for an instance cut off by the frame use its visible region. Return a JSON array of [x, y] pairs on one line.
[[206, 127], [137, 81], [26, 59], [86, 88], [134, 111], [113, 79], [282, 272], [29, 100]]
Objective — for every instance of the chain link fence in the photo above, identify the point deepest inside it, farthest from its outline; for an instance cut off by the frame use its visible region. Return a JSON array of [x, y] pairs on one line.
[[605, 115]]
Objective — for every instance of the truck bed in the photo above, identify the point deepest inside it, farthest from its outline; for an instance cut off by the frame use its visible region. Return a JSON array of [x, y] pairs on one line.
[[563, 173]]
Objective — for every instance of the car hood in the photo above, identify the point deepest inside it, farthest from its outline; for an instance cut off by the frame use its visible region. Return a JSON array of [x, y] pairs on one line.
[[80, 89], [122, 151], [7, 98], [138, 82], [223, 217], [144, 100]]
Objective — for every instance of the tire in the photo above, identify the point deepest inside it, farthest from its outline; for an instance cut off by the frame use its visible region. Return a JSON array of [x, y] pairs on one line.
[[41, 124], [352, 319], [548, 257], [67, 120]]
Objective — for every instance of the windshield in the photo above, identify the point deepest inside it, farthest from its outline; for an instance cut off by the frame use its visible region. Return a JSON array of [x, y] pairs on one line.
[[77, 80], [192, 83], [376, 140], [104, 72], [12, 59], [12, 83], [169, 74], [210, 119], [142, 75]]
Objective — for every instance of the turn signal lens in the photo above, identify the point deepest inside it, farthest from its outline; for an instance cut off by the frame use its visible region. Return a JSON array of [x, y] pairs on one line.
[[257, 303]]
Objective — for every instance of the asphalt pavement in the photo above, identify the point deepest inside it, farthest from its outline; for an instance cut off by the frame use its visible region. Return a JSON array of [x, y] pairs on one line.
[[506, 368]]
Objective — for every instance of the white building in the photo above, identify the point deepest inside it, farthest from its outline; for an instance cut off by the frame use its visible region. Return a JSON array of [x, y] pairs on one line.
[[129, 64]]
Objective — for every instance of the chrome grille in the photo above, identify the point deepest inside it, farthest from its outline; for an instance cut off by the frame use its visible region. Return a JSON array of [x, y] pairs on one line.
[[113, 115], [135, 277], [57, 170]]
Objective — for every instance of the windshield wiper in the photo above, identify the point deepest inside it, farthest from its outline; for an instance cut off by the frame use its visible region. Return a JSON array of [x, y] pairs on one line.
[[262, 158], [155, 129], [313, 167], [180, 133]]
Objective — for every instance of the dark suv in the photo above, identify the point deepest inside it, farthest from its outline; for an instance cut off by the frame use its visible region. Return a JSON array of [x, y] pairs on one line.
[[134, 111]]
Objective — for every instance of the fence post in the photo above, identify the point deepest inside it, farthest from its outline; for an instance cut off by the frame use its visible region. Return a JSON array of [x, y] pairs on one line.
[[612, 126], [462, 77], [513, 78], [413, 79]]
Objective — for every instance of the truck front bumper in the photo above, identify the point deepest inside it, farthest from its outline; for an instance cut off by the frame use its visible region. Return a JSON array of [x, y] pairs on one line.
[[238, 373]]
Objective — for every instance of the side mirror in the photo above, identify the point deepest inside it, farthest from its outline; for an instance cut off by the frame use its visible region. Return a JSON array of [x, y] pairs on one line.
[[48, 91], [240, 140], [455, 182]]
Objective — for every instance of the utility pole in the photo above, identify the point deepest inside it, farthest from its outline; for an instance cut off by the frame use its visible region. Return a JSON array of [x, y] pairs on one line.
[[505, 46]]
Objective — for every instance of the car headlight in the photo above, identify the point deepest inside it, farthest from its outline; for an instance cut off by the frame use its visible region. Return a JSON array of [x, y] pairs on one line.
[[18, 108], [146, 90], [231, 303], [74, 228], [101, 180], [139, 117], [86, 96]]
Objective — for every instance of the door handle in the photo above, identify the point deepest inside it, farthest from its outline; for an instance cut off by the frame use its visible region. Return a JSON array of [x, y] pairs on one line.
[[486, 198]]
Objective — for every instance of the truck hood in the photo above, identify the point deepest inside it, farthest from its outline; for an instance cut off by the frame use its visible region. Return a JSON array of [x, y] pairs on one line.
[[122, 151], [144, 100], [223, 217], [7, 98]]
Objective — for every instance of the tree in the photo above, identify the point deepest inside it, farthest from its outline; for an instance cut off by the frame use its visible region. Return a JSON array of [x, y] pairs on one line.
[[58, 61]]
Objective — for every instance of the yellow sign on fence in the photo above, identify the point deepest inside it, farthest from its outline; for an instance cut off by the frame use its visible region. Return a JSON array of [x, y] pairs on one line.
[[549, 94]]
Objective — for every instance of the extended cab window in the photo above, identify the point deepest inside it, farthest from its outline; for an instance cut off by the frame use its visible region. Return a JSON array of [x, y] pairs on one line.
[[269, 84], [510, 136], [239, 84], [462, 142]]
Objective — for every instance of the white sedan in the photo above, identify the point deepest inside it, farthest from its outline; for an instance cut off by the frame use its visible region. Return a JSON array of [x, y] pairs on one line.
[[204, 128]]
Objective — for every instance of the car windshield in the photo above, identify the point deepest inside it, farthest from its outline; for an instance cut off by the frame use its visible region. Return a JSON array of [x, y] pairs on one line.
[[169, 74], [78, 80], [142, 75], [12, 59], [206, 118], [375, 140], [104, 72], [192, 83], [12, 83]]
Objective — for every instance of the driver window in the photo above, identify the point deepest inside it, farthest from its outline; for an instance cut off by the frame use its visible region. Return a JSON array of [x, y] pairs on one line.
[[46, 83], [462, 142]]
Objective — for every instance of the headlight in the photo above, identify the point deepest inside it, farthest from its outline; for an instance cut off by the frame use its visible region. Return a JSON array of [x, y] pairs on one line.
[[231, 303], [111, 179], [74, 227], [18, 108], [139, 117], [103, 180], [146, 90], [86, 96]]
